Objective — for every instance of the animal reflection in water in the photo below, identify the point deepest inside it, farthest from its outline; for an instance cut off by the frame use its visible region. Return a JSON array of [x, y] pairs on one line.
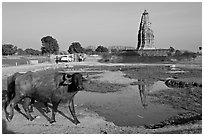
[[143, 90]]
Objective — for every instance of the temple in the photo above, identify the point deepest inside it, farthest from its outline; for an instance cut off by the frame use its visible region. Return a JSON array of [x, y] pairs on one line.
[[145, 33]]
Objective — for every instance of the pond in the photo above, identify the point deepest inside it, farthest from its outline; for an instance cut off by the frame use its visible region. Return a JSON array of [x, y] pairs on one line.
[[127, 107]]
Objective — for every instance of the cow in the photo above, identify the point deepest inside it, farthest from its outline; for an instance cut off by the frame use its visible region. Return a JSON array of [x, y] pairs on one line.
[[47, 88]]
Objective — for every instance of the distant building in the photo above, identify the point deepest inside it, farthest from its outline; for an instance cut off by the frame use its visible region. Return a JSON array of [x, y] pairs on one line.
[[150, 52], [145, 33], [120, 48], [145, 45]]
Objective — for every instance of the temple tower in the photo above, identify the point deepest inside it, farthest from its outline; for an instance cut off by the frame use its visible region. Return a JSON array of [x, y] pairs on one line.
[[145, 33]]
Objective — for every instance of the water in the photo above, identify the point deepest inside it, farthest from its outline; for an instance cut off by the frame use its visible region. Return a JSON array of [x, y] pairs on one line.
[[125, 108]]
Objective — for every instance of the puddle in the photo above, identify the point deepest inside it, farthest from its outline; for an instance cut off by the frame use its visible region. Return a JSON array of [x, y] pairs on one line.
[[125, 108]]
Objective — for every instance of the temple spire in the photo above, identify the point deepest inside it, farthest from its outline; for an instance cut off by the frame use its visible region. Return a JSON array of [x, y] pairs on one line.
[[145, 33]]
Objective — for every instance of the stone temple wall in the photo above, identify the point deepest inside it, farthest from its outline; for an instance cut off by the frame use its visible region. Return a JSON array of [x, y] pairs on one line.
[[145, 33], [155, 52], [150, 52]]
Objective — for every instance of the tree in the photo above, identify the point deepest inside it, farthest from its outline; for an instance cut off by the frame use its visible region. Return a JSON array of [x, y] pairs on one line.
[[89, 51], [49, 45], [171, 49], [8, 49], [63, 53], [114, 50], [101, 49], [200, 48], [75, 47], [21, 51], [32, 51], [178, 53]]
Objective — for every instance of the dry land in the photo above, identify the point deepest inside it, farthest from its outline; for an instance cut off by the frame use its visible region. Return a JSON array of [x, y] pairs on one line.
[[115, 78]]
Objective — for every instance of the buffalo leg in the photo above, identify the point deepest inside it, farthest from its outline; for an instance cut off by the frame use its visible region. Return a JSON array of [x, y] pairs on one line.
[[54, 110], [46, 108], [12, 105], [72, 110], [17, 108], [26, 104], [32, 101]]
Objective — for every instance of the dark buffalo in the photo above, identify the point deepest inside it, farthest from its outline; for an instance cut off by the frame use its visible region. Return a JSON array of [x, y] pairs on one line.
[[10, 93], [46, 88]]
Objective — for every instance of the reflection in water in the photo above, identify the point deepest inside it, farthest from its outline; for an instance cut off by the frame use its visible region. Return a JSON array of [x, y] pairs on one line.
[[123, 108], [144, 89], [142, 92]]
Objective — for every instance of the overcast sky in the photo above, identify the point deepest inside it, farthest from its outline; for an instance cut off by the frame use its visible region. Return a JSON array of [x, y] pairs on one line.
[[174, 24]]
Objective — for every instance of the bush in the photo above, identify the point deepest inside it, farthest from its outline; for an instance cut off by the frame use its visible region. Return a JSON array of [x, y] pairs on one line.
[[101, 49], [131, 57], [129, 53], [185, 55]]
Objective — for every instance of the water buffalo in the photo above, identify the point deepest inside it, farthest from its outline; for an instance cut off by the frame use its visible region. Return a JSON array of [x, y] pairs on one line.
[[47, 88], [10, 93]]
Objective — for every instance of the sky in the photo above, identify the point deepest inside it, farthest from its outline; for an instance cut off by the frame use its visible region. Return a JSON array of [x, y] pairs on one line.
[[176, 24]]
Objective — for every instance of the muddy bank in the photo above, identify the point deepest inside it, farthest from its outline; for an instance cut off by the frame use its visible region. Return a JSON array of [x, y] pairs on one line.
[[176, 120]]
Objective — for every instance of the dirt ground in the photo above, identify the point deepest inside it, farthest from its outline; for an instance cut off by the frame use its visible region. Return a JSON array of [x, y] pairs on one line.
[[111, 78]]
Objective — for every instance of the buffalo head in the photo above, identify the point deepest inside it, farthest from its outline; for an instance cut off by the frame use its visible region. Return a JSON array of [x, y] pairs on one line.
[[76, 80]]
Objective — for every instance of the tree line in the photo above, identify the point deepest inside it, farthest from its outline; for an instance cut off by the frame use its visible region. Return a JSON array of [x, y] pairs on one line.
[[50, 46]]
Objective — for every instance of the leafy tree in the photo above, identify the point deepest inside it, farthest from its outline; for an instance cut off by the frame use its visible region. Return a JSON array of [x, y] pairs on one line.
[[171, 49], [49, 45], [177, 53], [75, 47], [89, 51], [101, 49], [63, 52], [114, 50], [200, 48], [8, 49], [21, 51], [32, 51], [188, 54]]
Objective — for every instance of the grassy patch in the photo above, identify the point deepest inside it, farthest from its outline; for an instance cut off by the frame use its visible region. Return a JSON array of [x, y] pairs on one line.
[[189, 99]]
